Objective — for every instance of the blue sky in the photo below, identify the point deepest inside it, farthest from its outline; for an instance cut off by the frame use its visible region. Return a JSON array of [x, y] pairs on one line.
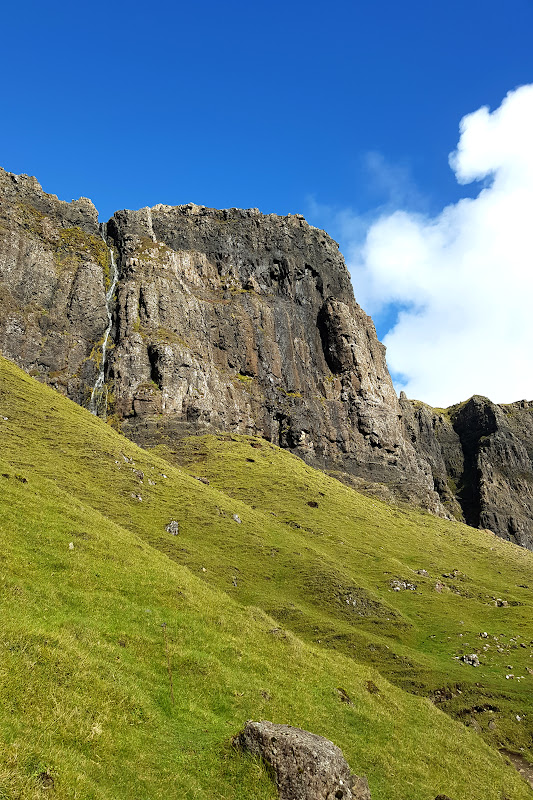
[[341, 111]]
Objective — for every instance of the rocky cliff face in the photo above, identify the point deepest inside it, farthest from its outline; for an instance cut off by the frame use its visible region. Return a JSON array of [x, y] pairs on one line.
[[481, 457], [237, 321], [53, 270], [232, 320], [223, 320]]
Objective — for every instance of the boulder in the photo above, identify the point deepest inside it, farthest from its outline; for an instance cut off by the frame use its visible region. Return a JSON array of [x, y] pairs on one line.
[[305, 766], [173, 527]]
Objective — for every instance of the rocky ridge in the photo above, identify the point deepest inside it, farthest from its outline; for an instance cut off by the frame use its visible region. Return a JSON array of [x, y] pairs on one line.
[[481, 457], [237, 321]]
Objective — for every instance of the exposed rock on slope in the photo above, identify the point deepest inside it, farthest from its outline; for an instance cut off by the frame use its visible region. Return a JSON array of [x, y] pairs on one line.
[[434, 437], [305, 766], [53, 267], [481, 456], [234, 320], [238, 321]]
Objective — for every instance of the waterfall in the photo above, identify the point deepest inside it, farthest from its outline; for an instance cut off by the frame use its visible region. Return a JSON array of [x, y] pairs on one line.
[[98, 401]]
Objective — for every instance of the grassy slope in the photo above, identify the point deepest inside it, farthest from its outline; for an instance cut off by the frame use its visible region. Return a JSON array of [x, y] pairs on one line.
[[96, 639], [349, 542]]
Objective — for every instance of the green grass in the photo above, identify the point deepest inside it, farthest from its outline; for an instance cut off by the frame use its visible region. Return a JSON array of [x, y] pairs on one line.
[[129, 660]]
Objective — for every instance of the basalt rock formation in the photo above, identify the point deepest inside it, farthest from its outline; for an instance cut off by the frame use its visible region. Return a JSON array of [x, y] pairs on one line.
[[236, 321], [481, 457], [53, 269]]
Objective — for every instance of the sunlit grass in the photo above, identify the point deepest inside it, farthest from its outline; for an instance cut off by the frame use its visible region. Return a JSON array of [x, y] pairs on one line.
[[129, 657]]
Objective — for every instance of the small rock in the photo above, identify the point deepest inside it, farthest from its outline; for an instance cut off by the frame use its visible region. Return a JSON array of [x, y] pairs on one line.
[[439, 586], [202, 480], [399, 584], [237, 518], [423, 572], [139, 474], [173, 527], [71, 545], [471, 659], [305, 766], [501, 603]]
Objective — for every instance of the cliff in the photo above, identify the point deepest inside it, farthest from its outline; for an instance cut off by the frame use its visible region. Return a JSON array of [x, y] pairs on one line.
[[232, 321], [53, 269], [481, 458]]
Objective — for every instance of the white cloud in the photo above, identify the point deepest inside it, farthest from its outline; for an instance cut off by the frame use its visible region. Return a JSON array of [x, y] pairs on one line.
[[465, 277]]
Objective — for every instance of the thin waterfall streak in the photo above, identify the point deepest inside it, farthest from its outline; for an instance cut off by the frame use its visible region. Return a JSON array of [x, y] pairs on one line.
[[97, 392]]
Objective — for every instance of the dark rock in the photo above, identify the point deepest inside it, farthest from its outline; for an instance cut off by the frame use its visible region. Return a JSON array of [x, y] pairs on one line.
[[247, 322], [496, 490], [435, 439], [52, 285], [237, 321], [224, 320], [481, 458], [305, 766]]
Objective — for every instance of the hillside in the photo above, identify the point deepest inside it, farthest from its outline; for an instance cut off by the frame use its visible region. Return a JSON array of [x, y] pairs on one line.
[[130, 657]]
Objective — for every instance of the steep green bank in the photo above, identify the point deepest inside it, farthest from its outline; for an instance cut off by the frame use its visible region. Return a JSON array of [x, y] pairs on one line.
[[129, 656]]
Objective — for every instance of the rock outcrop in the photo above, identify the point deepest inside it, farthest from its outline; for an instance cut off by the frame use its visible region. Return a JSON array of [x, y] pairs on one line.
[[305, 766], [222, 320], [53, 270], [481, 457], [238, 321], [234, 320]]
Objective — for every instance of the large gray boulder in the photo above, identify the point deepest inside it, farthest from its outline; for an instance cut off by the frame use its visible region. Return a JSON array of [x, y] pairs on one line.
[[305, 766]]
